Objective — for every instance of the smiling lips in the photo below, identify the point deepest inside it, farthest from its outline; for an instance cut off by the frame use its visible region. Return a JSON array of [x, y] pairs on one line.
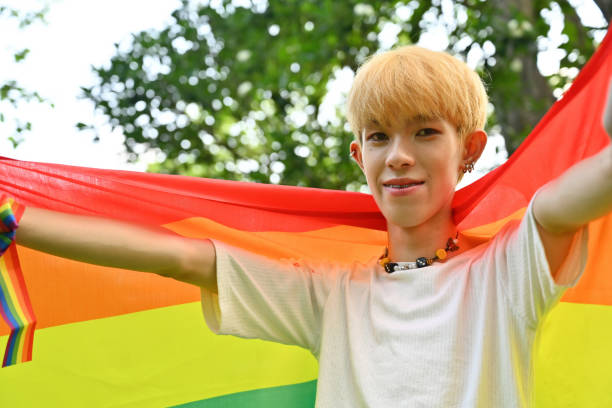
[[402, 186]]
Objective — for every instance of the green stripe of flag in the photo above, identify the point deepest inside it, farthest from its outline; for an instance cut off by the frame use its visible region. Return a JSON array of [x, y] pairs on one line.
[[300, 395]]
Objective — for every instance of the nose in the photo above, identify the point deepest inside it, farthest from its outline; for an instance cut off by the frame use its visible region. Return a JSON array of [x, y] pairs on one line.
[[401, 154]]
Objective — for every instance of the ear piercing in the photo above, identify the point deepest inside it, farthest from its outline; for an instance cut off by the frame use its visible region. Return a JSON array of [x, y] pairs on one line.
[[468, 167]]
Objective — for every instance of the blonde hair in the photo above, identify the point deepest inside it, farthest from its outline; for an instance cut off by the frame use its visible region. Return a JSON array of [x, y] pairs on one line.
[[413, 82]]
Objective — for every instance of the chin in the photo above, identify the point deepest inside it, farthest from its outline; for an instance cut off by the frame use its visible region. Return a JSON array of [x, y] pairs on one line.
[[405, 218]]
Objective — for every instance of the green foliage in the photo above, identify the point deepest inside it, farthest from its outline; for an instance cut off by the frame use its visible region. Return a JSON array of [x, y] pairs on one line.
[[20, 56], [235, 92], [517, 31], [10, 91], [24, 18]]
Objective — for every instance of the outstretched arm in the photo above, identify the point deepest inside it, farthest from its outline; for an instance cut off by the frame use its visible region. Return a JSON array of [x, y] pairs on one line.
[[118, 244], [582, 194]]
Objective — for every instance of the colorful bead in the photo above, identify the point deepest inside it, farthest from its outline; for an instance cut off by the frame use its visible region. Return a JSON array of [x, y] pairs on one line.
[[383, 261], [451, 245], [441, 254], [421, 262]]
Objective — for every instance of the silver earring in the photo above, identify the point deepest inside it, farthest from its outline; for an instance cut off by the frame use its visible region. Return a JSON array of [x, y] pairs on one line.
[[468, 167]]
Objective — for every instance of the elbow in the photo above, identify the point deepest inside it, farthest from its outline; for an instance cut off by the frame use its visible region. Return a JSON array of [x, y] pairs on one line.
[[194, 264], [176, 261]]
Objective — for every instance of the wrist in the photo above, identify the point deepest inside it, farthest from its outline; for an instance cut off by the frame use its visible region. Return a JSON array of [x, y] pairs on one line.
[[10, 215]]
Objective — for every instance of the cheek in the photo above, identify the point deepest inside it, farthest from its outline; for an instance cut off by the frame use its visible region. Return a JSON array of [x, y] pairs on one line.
[[371, 165], [372, 180], [452, 173], [444, 169]]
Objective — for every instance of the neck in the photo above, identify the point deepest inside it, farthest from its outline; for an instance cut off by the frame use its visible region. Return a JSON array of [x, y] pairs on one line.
[[406, 244]]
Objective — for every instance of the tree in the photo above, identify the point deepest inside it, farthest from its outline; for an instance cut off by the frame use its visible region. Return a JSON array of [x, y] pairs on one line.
[[11, 92], [233, 89]]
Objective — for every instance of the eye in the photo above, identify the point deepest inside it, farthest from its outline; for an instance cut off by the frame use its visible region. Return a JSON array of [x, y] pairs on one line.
[[427, 132], [377, 137]]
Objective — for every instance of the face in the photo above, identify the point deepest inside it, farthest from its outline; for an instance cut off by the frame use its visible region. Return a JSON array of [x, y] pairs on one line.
[[412, 168]]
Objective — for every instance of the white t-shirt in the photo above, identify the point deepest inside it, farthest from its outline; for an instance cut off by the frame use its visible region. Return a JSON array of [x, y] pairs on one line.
[[454, 334]]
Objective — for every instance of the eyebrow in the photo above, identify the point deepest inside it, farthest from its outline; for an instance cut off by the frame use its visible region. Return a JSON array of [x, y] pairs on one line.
[[422, 119], [418, 119]]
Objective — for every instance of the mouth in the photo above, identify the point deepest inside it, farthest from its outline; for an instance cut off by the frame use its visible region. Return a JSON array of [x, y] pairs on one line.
[[401, 187], [406, 185], [404, 182]]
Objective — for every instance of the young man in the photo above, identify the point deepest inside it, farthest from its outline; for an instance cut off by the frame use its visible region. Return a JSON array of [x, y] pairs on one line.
[[430, 333]]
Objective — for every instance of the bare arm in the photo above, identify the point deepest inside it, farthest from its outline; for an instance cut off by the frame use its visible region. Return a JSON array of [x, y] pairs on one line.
[[580, 195], [118, 244]]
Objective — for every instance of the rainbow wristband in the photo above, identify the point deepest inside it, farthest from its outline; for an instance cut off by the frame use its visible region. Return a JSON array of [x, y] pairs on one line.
[[8, 224], [15, 306]]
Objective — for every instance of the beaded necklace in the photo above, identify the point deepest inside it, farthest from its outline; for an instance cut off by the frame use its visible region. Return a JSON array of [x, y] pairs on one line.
[[441, 254]]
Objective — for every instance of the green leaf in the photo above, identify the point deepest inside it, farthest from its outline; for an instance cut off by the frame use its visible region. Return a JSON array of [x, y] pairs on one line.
[[20, 56]]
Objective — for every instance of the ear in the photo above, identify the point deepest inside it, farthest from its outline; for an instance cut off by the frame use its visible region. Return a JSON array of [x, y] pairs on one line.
[[473, 145], [356, 153]]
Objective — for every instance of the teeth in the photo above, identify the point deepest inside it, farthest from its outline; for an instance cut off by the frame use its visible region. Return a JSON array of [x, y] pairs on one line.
[[401, 185]]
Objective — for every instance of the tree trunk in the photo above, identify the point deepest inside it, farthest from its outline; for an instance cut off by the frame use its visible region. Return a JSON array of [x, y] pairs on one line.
[[606, 8], [518, 116]]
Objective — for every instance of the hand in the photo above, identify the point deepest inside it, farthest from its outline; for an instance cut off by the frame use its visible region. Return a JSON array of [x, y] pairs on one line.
[[8, 224]]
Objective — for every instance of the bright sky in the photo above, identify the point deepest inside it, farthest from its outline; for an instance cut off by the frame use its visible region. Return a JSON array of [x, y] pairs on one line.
[[80, 34]]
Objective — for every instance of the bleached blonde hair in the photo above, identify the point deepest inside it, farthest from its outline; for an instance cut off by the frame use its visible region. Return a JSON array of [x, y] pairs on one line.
[[414, 82]]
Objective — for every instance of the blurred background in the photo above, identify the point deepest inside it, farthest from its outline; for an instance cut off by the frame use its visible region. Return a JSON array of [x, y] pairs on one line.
[[254, 90]]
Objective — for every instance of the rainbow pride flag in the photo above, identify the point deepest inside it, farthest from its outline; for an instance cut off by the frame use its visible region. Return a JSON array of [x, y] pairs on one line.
[[110, 337]]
